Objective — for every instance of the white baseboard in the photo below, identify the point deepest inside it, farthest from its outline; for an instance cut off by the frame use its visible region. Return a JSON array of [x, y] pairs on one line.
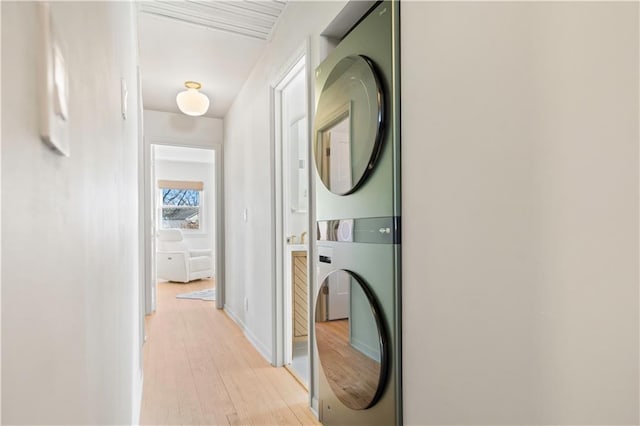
[[366, 349], [233, 316], [137, 400], [260, 347]]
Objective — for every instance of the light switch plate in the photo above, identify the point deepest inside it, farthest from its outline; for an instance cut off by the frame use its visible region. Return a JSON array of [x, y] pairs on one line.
[[124, 95], [54, 85]]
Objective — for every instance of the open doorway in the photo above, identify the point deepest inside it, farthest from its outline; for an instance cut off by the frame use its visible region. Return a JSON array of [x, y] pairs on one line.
[[292, 200], [183, 194]]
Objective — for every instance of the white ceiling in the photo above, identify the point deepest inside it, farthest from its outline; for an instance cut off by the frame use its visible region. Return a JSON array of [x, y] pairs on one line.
[[244, 17], [173, 51]]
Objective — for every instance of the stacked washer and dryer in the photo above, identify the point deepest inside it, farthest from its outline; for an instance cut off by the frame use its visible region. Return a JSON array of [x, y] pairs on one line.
[[357, 157]]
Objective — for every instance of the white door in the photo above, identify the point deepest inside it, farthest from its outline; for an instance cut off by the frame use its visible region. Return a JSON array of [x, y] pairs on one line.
[[152, 223], [340, 154], [291, 93], [338, 299]]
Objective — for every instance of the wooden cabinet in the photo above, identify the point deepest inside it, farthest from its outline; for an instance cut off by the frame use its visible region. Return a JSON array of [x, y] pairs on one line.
[[299, 297]]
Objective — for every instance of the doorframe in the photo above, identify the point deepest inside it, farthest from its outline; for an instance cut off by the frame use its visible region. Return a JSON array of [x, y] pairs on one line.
[[277, 222], [149, 212]]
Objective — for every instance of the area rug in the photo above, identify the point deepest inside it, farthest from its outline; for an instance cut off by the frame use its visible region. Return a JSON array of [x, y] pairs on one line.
[[206, 294]]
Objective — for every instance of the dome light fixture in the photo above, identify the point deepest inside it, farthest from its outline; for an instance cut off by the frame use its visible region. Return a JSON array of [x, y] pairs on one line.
[[191, 101]]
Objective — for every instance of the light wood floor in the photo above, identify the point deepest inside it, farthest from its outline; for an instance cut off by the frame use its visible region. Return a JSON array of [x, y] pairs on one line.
[[352, 375], [200, 369]]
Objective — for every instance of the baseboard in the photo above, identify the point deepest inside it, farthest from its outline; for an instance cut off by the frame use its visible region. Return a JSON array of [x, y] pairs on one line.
[[314, 406], [233, 316], [137, 400], [260, 347], [365, 349]]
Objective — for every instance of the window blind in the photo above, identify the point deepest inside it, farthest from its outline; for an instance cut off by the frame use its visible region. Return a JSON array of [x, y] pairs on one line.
[[180, 184]]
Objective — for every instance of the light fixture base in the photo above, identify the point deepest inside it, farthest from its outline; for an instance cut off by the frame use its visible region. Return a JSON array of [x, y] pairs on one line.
[[192, 85]]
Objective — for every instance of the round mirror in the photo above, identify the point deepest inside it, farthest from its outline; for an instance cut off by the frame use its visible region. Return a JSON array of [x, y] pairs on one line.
[[351, 340], [348, 125]]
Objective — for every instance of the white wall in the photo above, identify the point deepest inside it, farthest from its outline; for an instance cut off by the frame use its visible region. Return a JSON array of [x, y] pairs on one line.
[[194, 171], [180, 129], [520, 213], [248, 173], [70, 230]]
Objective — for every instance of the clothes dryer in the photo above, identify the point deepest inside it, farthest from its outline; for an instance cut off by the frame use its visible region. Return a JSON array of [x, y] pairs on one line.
[[357, 293]]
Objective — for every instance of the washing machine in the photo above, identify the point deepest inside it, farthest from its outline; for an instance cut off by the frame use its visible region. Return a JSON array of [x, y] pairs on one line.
[[357, 290]]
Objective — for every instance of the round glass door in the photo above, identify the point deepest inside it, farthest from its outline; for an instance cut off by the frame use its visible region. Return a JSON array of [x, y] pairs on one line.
[[351, 340], [348, 125]]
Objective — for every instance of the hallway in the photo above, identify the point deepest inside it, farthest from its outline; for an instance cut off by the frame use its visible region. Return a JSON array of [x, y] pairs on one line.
[[200, 369]]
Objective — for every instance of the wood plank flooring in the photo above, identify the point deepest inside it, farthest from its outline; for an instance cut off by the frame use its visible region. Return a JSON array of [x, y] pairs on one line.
[[199, 369], [353, 376]]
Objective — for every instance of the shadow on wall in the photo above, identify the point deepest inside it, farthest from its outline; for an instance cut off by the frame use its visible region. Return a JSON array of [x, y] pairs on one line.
[[182, 122]]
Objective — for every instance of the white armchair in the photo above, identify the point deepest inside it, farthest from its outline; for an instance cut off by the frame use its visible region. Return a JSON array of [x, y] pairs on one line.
[[175, 262]]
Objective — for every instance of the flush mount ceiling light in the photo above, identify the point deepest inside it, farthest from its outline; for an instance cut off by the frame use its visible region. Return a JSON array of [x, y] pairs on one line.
[[192, 102]]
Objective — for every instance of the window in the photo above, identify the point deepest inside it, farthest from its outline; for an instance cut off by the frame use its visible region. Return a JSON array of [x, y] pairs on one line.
[[180, 204]]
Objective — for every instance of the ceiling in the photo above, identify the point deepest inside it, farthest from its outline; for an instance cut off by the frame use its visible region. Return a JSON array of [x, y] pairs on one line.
[[215, 43]]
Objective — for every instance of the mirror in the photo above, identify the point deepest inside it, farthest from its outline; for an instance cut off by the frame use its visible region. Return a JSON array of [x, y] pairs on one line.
[[348, 125], [351, 340]]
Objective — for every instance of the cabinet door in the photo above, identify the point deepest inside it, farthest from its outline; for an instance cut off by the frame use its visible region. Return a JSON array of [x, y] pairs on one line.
[[300, 301]]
